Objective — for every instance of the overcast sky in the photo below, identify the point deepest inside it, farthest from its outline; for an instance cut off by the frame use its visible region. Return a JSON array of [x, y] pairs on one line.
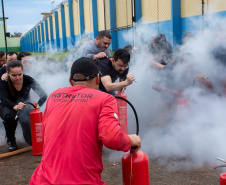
[[25, 14]]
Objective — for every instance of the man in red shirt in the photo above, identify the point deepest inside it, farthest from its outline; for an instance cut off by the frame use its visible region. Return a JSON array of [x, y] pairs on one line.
[[77, 122]]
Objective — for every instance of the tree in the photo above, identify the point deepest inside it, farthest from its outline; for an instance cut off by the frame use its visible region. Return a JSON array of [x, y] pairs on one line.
[[17, 34]]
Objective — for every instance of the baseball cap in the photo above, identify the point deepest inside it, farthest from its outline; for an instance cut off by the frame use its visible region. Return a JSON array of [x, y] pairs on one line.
[[86, 67]]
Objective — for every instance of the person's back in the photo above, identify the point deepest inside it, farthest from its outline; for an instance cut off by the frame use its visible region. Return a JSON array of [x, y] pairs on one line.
[[73, 130], [77, 122]]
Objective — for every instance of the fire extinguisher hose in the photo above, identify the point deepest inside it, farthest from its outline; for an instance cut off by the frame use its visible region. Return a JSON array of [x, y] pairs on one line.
[[134, 110], [31, 104], [17, 114]]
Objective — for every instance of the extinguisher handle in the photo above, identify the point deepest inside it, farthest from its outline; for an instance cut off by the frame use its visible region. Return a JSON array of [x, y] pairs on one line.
[[132, 150]]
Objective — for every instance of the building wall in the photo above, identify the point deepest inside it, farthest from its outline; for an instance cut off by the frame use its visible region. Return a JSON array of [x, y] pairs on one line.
[[123, 15], [76, 17], [67, 19], [13, 43], [100, 15], [170, 17], [59, 23], [54, 26], [88, 20]]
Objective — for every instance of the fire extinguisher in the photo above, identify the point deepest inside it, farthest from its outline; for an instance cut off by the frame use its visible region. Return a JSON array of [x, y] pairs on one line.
[[223, 175], [122, 111], [135, 168], [182, 106], [223, 179], [36, 130]]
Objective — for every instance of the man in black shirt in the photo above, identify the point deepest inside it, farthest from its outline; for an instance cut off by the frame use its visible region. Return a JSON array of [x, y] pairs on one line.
[[114, 68]]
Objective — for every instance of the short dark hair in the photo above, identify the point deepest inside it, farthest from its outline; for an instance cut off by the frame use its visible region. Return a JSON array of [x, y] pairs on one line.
[[84, 69], [10, 53], [128, 48], [22, 54], [103, 34], [2, 53], [159, 38], [123, 55], [187, 36], [12, 64]]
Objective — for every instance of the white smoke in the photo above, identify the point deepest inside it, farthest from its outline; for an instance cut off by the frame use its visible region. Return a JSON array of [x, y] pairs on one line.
[[51, 74], [198, 136], [196, 132]]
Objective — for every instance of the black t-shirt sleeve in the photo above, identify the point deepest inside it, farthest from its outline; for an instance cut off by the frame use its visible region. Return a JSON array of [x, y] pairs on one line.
[[39, 90], [2, 70], [4, 97], [104, 66]]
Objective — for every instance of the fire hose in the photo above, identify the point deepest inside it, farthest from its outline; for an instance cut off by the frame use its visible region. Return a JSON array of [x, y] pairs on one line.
[[134, 110], [137, 132]]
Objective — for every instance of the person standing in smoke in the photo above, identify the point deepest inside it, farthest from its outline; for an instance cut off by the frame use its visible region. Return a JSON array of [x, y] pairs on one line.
[[13, 94], [160, 50], [219, 55], [173, 80], [97, 48], [77, 122]]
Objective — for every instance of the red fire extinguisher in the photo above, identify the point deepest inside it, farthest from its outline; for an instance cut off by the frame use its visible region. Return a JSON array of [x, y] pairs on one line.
[[135, 169], [122, 111], [182, 106], [223, 179], [36, 131], [223, 175]]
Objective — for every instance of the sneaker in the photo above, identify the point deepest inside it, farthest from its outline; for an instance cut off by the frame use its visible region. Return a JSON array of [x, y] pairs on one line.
[[12, 146]]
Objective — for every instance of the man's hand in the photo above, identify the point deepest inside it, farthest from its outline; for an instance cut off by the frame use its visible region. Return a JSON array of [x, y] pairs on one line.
[[200, 77], [19, 106], [99, 55], [4, 77], [129, 79], [204, 80], [135, 141]]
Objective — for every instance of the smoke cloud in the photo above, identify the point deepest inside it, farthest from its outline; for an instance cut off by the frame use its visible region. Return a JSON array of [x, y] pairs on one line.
[[194, 132]]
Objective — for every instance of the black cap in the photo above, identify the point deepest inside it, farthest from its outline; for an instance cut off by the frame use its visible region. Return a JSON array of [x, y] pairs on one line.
[[86, 67]]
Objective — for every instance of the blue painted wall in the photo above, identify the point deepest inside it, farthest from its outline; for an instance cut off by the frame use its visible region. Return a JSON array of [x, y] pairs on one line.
[[174, 28]]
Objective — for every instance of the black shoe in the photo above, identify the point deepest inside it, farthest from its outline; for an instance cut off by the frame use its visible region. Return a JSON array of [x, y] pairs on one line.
[[12, 146]]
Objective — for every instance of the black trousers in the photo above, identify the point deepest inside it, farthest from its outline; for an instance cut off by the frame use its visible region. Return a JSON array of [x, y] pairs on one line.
[[8, 115]]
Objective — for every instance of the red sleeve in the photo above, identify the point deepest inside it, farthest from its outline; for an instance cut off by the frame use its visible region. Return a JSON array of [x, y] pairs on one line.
[[109, 129]]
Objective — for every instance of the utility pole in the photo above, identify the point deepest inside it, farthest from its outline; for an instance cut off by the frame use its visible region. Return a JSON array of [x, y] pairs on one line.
[[6, 49]]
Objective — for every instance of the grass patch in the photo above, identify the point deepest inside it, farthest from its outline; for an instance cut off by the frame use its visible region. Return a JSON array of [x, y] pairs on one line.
[[51, 55]]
